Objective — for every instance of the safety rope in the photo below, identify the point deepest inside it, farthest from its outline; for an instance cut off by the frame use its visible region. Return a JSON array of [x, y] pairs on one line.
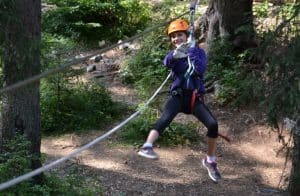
[[189, 72], [82, 59], [75, 152], [193, 7]]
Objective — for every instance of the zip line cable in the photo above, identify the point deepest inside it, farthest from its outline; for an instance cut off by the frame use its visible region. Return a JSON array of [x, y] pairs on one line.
[[189, 72], [75, 152], [80, 60]]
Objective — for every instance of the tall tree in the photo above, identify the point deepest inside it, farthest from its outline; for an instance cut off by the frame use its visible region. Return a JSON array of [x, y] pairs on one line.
[[230, 20], [21, 36], [294, 184]]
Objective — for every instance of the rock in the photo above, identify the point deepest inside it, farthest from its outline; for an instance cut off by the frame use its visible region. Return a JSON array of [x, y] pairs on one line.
[[91, 68], [101, 43], [79, 56], [98, 58], [126, 46]]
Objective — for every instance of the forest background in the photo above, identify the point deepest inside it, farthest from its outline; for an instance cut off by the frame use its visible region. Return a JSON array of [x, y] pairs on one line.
[[264, 74]]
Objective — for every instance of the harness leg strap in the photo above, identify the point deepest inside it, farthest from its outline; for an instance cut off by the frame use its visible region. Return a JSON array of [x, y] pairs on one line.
[[193, 100]]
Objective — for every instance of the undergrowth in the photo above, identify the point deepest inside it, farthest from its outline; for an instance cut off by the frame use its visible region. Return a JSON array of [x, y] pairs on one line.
[[15, 160], [91, 21], [136, 132], [68, 103]]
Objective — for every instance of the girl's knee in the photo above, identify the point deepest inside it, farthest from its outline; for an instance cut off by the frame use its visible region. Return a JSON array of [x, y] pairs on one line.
[[212, 129]]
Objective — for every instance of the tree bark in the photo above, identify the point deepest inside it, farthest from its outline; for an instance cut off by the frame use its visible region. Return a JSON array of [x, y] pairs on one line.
[[294, 183], [21, 107], [231, 20]]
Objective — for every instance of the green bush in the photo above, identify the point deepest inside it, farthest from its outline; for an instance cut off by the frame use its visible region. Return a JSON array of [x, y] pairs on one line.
[[14, 158], [280, 52], [15, 161], [282, 88], [144, 68], [67, 103], [137, 131], [260, 10], [239, 84], [73, 107], [94, 20]]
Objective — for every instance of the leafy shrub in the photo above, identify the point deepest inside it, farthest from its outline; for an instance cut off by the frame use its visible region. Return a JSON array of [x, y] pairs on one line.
[[239, 84], [67, 106], [137, 131], [66, 102], [280, 51], [260, 10], [91, 20], [282, 95], [56, 50], [145, 69], [14, 158], [15, 161]]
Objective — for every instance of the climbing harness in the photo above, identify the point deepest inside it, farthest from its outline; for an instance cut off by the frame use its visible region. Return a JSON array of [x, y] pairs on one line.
[[193, 100], [224, 137]]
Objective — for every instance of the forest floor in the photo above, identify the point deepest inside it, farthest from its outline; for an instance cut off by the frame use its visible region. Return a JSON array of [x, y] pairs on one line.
[[252, 164]]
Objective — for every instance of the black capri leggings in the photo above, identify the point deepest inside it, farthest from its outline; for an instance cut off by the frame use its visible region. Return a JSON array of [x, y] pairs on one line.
[[181, 103]]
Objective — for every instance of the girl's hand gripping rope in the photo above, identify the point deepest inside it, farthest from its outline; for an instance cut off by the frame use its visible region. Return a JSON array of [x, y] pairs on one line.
[[181, 51]]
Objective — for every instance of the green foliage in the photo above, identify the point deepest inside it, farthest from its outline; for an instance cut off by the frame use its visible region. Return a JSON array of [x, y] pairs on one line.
[[180, 134], [173, 8], [137, 131], [283, 84], [274, 84], [218, 60], [67, 103], [15, 161], [280, 50], [75, 182], [92, 20], [238, 84], [260, 10], [70, 106], [56, 50], [14, 158], [145, 69]]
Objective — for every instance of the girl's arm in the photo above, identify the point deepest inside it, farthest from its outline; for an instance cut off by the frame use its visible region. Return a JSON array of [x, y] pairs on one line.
[[168, 61]]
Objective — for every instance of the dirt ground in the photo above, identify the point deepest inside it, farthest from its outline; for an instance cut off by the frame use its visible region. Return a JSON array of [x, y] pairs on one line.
[[252, 164]]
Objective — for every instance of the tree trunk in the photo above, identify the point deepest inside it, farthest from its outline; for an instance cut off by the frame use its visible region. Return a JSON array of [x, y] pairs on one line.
[[231, 20], [294, 184], [21, 107]]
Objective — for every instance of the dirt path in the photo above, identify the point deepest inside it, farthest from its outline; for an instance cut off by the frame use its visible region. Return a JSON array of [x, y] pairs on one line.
[[249, 165]]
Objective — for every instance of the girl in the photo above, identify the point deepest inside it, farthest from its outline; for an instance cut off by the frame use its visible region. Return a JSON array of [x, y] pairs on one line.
[[188, 64]]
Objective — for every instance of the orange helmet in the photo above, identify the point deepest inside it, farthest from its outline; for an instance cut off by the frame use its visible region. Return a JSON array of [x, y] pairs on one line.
[[178, 25]]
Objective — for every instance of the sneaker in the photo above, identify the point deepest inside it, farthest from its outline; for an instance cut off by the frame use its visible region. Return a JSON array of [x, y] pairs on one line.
[[212, 169], [148, 152]]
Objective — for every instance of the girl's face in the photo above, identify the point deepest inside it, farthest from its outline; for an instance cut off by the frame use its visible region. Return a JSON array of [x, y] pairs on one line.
[[178, 38]]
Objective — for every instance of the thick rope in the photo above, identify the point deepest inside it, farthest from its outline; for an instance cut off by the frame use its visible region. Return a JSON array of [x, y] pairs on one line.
[[35, 172], [80, 60], [191, 68]]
